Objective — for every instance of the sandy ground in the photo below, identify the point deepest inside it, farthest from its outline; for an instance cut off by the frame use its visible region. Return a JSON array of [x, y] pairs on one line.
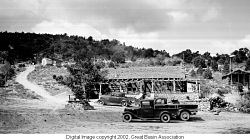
[[48, 115]]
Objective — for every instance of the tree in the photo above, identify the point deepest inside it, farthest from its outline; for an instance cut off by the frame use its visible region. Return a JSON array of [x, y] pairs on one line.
[[187, 55], [214, 65], [193, 73], [148, 53], [248, 65], [240, 55], [82, 75], [226, 68], [200, 71], [199, 62], [118, 57], [207, 74]]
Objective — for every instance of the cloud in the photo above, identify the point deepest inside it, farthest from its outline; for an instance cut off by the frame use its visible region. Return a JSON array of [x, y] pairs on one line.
[[19, 16], [211, 14], [137, 15], [179, 16], [61, 27]]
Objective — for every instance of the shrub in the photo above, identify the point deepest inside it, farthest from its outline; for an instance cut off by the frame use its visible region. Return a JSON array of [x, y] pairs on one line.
[[244, 103], [111, 65], [200, 71], [226, 68], [59, 78], [193, 73], [118, 57], [247, 64], [54, 76], [207, 74], [199, 62]]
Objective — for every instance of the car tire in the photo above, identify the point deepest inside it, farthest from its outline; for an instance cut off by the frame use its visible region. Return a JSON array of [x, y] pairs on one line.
[[124, 104], [165, 118], [101, 102], [127, 117], [184, 116]]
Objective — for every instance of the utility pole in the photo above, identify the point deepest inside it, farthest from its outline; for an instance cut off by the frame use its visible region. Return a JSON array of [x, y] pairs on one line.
[[231, 68]]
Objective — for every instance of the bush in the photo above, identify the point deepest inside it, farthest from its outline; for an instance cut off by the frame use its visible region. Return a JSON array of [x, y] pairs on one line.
[[111, 65], [118, 57], [199, 62], [193, 73], [244, 103], [207, 74], [59, 78], [247, 64], [200, 71], [54, 76]]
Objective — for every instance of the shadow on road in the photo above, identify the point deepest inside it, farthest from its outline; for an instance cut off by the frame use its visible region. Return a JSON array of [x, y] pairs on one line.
[[192, 119], [237, 130]]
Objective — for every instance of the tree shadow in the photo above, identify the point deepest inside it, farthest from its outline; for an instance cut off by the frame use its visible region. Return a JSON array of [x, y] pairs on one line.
[[237, 130]]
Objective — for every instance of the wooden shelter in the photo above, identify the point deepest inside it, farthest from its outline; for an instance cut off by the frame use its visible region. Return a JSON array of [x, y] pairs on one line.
[[239, 76], [146, 80]]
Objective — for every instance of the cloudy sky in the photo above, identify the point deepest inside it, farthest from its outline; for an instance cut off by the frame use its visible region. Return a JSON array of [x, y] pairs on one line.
[[217, 26]]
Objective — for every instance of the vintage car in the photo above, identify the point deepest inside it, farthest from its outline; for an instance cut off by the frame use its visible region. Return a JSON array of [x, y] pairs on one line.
[[159, 109], [115, 98]]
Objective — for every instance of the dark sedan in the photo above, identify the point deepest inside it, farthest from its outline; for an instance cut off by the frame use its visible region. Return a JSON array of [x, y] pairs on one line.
[[115, 98]]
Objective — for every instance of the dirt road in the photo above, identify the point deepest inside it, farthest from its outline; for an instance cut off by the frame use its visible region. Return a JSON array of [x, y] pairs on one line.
[[50, 101]]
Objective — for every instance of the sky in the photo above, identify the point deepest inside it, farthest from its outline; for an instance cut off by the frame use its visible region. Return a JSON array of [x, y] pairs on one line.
[[216, 26]]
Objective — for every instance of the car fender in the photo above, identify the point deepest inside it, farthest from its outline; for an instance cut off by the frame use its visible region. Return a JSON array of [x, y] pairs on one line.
[[126, 100], [180, 110], [162, 112], [127, 112]]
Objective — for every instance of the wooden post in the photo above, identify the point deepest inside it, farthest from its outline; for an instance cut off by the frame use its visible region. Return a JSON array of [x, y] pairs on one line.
[[152, 95], [174, 86], [197, 86], [231, 79], [141, 90], [152, 90], [120, 87], [100, 90]]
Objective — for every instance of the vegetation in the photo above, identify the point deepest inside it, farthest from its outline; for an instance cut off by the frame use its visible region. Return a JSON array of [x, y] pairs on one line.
[[248, 65], [62, 46], [83, 75], [207, 74], [199, 62], [244, 103], [226, 68]]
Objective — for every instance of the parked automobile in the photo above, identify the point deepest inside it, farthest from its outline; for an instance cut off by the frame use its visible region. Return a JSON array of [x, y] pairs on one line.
[[115, 98], [159, 109]]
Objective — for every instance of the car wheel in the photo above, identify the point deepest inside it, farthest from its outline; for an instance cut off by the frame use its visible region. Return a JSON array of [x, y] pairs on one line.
[[124, 103], [184, 116], [101, 102], [165, 118], [127, 117]]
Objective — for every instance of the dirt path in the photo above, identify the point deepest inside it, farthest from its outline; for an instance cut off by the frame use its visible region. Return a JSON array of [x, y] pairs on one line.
[[54, 102]]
